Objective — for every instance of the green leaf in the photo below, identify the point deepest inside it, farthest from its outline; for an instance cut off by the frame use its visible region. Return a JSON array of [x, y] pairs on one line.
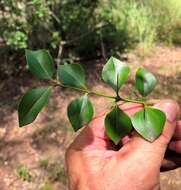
[[117, 124], [149, 123], [40, 63], [145, 81], [80, 112], [115, 73], [32, 103], [72, 75]]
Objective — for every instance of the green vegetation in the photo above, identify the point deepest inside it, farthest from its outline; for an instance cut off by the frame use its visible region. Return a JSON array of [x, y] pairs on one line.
[[24, 173], [133, 21], [105, 24], [44, 163], [167, 16], [75, 30], [143, 23], [80, 111], [55, 170], [46, 186]]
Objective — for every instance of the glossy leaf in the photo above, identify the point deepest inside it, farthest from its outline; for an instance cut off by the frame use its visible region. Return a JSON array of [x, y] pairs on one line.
[[72, 75], [40, 63], [80, 112], [149, 123], [32, 103], [145, 81], [117, 124], [115, 73]]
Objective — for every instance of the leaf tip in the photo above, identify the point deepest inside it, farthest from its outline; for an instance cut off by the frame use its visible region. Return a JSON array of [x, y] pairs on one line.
[[27, 51], [116, 142], [21, 123]]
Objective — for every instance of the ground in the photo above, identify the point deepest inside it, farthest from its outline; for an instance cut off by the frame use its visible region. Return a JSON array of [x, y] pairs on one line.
[[32, 158]]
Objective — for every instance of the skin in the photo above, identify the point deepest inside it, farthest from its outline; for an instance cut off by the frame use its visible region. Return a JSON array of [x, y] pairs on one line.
[[95, 163]]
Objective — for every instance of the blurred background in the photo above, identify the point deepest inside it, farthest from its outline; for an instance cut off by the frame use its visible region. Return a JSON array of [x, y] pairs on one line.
[[143, 33]]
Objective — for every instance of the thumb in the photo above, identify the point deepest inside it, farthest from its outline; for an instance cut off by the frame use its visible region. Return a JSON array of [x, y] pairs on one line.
[[159, 146], [172, 111]]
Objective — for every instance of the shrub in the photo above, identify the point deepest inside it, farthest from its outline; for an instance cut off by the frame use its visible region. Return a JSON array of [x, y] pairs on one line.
[[29, 22], [77, 25], [20, 20], [167, 14], [143, 23], [132, 20], [16, 39]]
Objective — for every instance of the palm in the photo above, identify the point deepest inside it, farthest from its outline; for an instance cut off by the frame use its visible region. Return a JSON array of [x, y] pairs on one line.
[[106, 164]]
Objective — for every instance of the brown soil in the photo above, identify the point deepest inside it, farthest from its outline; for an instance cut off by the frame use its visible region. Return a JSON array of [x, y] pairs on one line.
[[40, 147]]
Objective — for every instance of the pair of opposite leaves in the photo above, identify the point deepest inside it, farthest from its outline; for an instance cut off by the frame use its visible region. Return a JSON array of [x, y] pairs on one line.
[[148, 122]]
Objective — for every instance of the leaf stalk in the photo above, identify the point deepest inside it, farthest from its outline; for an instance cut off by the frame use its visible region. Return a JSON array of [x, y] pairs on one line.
[[117, 98]]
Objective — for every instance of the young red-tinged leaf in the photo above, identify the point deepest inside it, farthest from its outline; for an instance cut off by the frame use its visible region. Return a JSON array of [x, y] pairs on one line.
[[149, 123], [32, 103], [80, 112], [115, 73], [145, 81], [40, 63], [72, 75], [117, 124]]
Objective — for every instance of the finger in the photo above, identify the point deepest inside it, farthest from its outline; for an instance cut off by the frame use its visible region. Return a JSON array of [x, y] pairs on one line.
[[172, 111], [93, 135], [131, 108], [172, 160], [170, 107], [177, 133], [159, 146], [97, 124], [175, 146], [171, 163]]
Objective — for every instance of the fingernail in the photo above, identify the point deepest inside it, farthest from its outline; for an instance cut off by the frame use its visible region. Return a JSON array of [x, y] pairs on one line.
[[170, 108]]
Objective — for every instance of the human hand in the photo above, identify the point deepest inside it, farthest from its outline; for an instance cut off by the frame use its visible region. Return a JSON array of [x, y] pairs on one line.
[[95, 163], [175, 144], [172, 157]]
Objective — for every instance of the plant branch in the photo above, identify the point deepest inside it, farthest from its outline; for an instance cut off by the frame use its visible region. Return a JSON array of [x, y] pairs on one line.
[[100, 94], [57, 83], [102, 46], [144, 103], [153, 101], [55, 17], [60, 50], [133, 101]]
